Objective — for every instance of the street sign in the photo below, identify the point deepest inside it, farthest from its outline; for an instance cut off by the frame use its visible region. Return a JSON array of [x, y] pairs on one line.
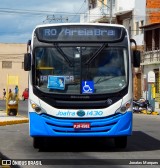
[[151, 77]]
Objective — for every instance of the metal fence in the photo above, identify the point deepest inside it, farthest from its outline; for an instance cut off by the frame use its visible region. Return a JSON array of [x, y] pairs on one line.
[[150, 56]]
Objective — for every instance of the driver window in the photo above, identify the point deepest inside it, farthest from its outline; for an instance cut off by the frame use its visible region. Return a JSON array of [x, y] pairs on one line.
[[111, 63]]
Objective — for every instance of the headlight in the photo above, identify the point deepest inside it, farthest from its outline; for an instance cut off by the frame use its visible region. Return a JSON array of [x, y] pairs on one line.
[[37, 108], [124, 107]]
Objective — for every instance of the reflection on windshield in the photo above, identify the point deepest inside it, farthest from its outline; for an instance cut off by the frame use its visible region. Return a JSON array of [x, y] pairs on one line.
[[78, 70]]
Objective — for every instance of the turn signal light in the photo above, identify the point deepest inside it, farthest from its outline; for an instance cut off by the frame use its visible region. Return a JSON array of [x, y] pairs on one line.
[[34, 106]]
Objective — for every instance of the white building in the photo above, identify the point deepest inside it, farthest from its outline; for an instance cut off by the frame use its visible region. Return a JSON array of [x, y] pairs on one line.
[[99, 11], [150, 61], [129, 13]]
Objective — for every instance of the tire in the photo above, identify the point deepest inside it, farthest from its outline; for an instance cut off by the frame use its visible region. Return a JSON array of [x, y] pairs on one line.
[[120, 142], [37, 142], [12, 112], [150, 109], [136, 109]]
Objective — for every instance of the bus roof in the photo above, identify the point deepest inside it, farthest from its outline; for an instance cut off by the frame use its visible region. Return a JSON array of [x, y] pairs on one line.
[[85, 24]]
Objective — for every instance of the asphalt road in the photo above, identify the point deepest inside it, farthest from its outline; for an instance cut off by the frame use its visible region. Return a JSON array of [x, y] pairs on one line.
[[15, 143]]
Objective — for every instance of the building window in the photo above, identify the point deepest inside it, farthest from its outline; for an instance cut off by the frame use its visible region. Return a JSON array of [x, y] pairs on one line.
[[6, 64], [142, 24], [92, 4], [157, 87], [129, 31], [137, 28]]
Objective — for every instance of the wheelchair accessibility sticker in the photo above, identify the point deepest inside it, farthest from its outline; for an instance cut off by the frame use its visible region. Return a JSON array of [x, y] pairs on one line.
[[87, 87]]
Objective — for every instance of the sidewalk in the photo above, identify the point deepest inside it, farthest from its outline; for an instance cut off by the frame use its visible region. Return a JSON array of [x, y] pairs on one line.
[[9, 120], [157, 110]]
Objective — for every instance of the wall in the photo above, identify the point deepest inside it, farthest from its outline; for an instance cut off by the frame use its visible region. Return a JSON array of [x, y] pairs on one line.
[[153, 11], [148, 68], [14, 53], [124, 5], [139, 14]]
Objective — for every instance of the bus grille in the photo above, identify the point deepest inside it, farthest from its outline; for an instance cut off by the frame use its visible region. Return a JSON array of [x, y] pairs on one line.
[[96, 125]]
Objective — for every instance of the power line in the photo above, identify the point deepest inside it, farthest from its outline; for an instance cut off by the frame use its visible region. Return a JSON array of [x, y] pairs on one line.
[[9, 11], [103, 3], [84, 3], [51, 18], [32, 12]]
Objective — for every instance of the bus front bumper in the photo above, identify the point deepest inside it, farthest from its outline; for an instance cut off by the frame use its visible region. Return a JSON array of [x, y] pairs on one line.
[[115, 125]]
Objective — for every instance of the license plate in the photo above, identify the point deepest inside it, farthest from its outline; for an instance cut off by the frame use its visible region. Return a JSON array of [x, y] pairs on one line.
[[81, 125]]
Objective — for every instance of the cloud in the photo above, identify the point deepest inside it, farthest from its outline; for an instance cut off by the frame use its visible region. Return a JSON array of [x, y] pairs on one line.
[[19, 17]]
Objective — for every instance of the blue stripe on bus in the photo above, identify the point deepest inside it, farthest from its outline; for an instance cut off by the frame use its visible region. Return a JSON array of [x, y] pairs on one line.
[[116, 125]]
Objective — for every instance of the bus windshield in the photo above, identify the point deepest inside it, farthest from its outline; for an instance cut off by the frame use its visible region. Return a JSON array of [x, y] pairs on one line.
[[84, 69]]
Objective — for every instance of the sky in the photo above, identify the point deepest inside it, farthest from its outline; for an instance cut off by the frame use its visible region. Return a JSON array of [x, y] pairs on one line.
[[18, 18]]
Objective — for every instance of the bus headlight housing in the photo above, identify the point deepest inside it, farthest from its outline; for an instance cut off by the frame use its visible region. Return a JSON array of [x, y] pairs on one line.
[[37, 108], [124, 107]]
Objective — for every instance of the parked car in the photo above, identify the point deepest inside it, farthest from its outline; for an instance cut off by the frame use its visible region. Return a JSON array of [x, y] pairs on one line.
[[25, 94]]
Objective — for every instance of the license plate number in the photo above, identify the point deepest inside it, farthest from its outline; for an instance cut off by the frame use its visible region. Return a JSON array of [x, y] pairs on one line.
[[81, 125]]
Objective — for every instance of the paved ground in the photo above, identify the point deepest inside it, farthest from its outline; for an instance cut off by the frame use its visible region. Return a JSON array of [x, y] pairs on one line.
[[9, 120]]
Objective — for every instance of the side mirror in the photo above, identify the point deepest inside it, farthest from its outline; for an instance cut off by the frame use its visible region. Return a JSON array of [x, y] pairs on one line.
[[27, 62], [136, 58]]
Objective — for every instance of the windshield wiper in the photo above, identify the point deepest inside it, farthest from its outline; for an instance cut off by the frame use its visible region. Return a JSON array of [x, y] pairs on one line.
[[96, 54], [103, 79], [63, 54]]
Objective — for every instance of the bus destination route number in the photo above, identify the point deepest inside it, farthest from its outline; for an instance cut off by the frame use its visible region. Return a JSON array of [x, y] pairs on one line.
[[76, 33]]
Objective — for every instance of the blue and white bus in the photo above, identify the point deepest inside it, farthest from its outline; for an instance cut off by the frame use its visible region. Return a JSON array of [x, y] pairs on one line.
[[80, 81]]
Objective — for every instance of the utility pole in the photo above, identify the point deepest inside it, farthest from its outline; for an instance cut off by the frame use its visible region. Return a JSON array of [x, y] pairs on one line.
[[108, 6], [51, 18]]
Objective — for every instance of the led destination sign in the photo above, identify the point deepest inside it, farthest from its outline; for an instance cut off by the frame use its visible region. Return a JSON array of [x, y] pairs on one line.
[[79, 33]]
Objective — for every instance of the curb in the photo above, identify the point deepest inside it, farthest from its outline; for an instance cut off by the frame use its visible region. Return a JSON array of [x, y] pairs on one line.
[[152, 113], [145, 113], [11, 122]]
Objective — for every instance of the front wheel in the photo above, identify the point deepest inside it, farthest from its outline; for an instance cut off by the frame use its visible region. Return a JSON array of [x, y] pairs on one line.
[[150, 109], [136, 109], [120, 142], [37, 142]]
